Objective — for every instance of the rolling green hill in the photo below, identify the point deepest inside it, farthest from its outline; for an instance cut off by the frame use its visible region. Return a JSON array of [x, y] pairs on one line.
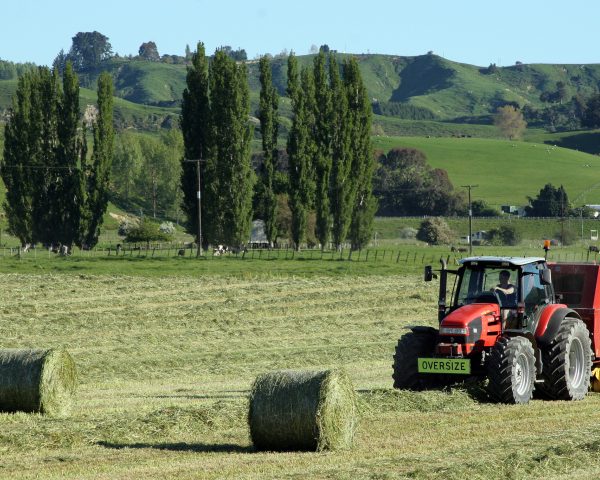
[[459, 99], [430, 84], [508, 172], [148, 83]]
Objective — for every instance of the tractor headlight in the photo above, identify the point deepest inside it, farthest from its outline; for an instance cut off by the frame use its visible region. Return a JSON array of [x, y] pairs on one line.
[[454, 331]]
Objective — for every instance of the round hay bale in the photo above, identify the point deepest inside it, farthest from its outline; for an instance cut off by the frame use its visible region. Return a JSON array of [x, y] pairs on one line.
[[36, 381], [302, 410]]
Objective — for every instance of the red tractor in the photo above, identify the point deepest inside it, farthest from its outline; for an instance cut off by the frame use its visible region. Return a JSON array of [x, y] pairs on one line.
[[540, 329]]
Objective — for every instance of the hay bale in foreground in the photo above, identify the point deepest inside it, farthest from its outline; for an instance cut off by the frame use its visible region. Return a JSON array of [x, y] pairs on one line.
[[36, 381], [302, 410]]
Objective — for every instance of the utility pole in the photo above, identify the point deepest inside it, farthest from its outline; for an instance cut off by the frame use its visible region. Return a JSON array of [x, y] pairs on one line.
[[198, 161], [469, 187]]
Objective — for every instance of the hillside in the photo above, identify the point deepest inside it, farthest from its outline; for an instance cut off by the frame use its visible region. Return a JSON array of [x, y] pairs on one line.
[[424, 87], [508, 172], [448, 105]]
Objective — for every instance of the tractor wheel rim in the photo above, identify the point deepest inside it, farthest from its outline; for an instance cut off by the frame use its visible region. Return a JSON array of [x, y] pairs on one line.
[[576, 362], [522, 374]]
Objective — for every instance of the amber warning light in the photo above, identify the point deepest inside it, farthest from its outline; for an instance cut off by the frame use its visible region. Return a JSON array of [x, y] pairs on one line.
[[546, 247]]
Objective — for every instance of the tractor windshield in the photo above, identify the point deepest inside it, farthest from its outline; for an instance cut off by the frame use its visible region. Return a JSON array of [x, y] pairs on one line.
[[488, 284]]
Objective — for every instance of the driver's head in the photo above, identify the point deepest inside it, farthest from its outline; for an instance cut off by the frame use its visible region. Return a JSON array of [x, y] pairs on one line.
[[504, 276]]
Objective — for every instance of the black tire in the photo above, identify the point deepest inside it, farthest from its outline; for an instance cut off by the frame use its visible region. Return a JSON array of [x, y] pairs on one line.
[[567, 362], [511, 370], [410, 347]]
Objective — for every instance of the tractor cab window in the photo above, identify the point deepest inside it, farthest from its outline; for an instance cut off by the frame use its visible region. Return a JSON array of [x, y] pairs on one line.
[[488, 284], [534, 292]]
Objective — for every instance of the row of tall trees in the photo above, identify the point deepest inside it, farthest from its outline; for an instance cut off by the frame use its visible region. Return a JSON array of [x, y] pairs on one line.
[[56, 192], [330, 161], [329, 148], [216, 133]]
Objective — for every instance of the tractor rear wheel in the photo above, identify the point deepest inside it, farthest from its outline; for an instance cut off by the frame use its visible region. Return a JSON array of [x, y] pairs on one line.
[[410, 347], [567, 362], [511, 370]]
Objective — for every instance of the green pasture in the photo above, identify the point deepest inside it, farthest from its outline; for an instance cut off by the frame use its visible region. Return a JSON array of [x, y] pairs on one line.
[[388, 230], [508, 172], [428, 128], [150, 83], [166, 362]]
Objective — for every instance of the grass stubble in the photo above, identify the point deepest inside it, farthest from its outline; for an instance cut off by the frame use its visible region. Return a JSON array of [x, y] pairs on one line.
[[165, 367]]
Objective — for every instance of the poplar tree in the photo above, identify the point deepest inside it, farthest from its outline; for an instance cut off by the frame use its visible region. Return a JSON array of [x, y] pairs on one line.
[[343, 191], [67, 189], [363, 161], [44, 160], [268, 107], [45, 101], [300, 149], [18, 154], [195, 126], [230, 174], [98, 172], [322, 160]]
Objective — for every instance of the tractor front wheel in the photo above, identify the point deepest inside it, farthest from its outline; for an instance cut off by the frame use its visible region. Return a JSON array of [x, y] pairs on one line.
[[410, 347], [567, 362], [511, 370]]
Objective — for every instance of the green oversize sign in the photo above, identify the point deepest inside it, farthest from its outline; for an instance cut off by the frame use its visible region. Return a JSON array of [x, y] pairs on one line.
[[460, 366]]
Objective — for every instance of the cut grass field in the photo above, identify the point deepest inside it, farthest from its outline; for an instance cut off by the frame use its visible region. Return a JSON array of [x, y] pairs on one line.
[[166, 363]]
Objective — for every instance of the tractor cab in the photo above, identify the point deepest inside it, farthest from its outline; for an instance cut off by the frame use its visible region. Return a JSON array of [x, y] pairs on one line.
[[519, 287]]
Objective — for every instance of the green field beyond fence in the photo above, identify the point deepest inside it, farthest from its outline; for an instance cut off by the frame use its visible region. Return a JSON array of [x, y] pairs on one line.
[[170, 261]]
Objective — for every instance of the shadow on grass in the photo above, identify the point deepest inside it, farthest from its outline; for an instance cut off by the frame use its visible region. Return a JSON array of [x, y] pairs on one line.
[[181, 447], [588, 142], [222, 395]]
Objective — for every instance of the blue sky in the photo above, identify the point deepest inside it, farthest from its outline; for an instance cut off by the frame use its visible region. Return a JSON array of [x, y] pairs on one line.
[[476, 32]]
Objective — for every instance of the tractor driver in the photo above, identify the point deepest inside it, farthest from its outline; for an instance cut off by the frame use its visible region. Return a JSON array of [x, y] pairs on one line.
[[506, 293], [505, 288]]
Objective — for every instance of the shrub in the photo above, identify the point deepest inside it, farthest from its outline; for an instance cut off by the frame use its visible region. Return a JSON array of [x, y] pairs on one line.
[[504, 235], [126, 226], [480, 208], [146, 231], [408, 233], [167, 227], [435, 231], [566, 237]]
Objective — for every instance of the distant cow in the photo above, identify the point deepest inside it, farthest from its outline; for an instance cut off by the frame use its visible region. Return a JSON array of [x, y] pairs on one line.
[[593, 248], [220, 250]]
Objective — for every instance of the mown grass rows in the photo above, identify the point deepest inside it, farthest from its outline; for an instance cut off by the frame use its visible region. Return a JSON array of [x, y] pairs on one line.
[[242, 325], [166, 364]]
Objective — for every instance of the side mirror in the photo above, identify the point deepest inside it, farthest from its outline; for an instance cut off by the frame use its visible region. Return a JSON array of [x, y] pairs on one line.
[[546, 276], [428, 274]]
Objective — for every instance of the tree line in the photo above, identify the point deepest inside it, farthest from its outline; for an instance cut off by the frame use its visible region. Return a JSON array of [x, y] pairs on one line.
[[57, 192], [146, 173], [330, 162]]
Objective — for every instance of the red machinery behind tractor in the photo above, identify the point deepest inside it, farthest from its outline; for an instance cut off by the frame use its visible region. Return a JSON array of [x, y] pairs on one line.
[[542, 332]]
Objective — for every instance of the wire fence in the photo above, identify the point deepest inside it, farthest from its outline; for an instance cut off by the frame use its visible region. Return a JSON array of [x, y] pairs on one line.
[[409, 256]]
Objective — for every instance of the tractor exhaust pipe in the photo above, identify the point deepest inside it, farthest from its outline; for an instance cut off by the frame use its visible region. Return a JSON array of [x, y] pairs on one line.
[[442, 294]]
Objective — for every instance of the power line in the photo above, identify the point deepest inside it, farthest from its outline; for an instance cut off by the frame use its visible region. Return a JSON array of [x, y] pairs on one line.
[[39, 167], [469, 187]]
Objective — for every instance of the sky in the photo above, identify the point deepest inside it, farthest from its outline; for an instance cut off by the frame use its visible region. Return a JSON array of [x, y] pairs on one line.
[[476, 32]]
